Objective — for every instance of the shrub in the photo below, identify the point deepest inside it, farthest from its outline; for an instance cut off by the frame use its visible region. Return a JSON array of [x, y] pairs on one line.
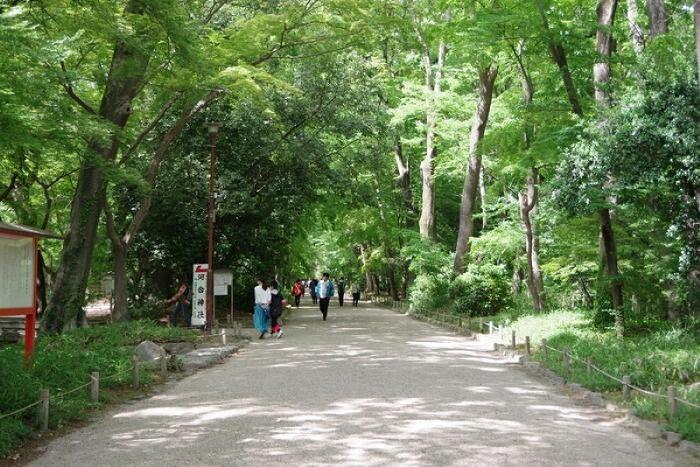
[[481, 291], [429, 292]]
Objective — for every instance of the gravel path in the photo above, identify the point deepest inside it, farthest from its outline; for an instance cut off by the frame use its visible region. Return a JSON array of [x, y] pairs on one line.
[[367, 387]]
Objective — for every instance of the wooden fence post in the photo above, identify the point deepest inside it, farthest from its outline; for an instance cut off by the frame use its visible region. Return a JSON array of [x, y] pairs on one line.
[[223, 337], [95, 386], [626, 387], [544, 348], [565, 362], [589, 365], [672, 404], [527, 345], [135, 382], [44, 410], [513, 339]]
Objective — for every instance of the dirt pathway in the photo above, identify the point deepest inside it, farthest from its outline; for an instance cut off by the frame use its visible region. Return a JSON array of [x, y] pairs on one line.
[[367, 387]]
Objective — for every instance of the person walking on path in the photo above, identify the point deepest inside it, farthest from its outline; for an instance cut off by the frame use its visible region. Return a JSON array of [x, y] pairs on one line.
[[297, 292], [355, 290], [341, 291], [276, 308], [313, 284], [261, 316], [324, 291]]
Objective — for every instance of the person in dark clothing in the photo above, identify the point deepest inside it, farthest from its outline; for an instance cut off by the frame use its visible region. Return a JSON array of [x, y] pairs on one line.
[[341, 291], [276, 308], [313, 283], [182, 300], [355, 290]]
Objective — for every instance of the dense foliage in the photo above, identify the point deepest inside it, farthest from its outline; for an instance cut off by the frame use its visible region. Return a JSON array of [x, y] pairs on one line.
[[474, 157]]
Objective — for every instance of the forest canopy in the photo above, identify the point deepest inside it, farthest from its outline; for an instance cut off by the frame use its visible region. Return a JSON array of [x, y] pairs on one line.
[[479, 156]]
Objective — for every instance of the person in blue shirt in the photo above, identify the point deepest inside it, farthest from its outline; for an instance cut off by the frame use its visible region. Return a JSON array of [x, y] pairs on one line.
[[324, 291]]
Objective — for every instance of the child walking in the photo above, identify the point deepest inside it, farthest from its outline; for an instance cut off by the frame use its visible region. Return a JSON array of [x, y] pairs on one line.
[[276, 308]]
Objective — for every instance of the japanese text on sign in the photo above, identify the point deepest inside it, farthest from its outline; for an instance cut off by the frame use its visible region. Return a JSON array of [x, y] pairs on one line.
[[199, 295]]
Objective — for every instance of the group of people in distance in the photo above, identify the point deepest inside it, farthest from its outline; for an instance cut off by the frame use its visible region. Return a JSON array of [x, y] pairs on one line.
[[341, 287], [269, 302]]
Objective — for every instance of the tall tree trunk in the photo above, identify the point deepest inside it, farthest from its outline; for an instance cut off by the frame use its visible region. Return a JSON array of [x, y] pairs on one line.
[[432, 83], [120, 310], [601, 78], [601, 68], [393, 288], [696, 15], [406, 278], [658, 19], [369, 285], [636, 34], [482, 197], [124, 81], [404, 177], [41, 271], [121, 243], [556, 49], [529, 200], [487, 78], [528, 208]]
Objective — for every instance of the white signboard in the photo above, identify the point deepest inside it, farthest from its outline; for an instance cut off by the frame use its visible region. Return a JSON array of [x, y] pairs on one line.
[[221, 290], [199, 294], [223, 277], [16, 272]]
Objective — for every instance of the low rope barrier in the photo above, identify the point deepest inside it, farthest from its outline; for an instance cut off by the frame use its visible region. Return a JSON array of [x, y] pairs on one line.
[[63, 394], [497, 332], [20, 410]]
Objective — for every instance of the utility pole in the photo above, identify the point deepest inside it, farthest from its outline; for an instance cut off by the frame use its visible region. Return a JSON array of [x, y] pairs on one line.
[[213, 128]]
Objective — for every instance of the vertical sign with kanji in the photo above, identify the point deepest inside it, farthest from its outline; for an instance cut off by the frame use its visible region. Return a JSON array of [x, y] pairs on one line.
[[199, 294]]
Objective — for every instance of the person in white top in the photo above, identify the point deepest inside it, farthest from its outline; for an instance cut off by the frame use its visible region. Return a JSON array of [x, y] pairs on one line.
[[261, 316]]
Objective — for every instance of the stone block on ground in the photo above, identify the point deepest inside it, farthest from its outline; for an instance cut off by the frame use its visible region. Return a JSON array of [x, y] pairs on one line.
[[149, 353], [202, 358], [178, 348], [672, 439]]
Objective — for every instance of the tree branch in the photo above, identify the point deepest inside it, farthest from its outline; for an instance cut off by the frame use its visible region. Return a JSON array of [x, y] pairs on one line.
[[69, 90], [13, 184], [158, 156], [139, 139], [109, 221]]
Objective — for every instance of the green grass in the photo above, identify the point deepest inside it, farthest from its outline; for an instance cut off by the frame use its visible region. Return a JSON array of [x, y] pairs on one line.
[[659, 356], [65, 361]]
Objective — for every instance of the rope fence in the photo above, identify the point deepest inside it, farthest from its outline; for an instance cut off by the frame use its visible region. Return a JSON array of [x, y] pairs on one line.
[[567, 357], [94, 384]]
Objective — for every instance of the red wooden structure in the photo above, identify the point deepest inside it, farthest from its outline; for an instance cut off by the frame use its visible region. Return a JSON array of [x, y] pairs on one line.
[[18, 276]]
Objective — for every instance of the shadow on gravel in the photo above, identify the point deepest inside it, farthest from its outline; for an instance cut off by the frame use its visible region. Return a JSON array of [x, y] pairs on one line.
[[433, 398]]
